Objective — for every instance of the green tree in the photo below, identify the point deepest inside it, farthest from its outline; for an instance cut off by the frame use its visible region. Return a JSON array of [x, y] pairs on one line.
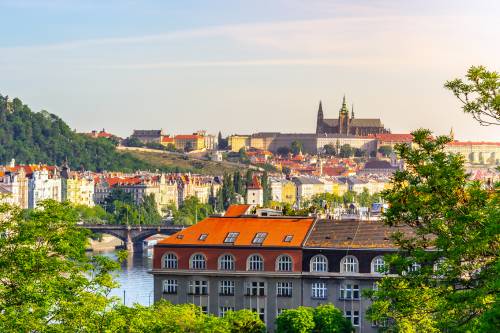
[[238, 183], [133, 142], [385, 150], [266, 188], [283, 151], [191, 212], [479, 94], [299, 320], [330, 150], [453, 247], [359, 152], [346, 151], [364, 198], [329, 319], [296, 147], [244, 321], [47, 282]]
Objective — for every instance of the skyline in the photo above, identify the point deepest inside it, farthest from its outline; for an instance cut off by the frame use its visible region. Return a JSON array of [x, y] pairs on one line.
[[244, 68]]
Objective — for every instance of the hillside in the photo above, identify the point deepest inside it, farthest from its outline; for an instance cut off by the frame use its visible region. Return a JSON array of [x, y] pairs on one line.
[[42, 137]]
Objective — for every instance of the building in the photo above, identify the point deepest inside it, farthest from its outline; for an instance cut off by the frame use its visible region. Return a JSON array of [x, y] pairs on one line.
[[189, 142], [288, 192], [77, 188], [236, 142], [232, 263], [379, 167], [307, 187], [255, 193], [390, 139], [146, 136], [485, 153], [44, 184], [14, 184], [167, 140], [348, 125], [269, 264]]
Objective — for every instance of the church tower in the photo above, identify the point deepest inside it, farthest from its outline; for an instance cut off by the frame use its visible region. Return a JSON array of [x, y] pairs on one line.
[[343, 118], [319, 120]]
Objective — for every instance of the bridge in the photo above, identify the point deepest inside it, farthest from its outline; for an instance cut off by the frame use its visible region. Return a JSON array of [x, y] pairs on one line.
[[133, 236]]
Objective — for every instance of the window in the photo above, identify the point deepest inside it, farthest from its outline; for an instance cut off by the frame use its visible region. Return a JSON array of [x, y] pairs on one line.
[[284, 263], [170, 286], [203, 237], [170, 261], [259, 238], [319, 263], [284, 289], [226, 262], [318, 290], [261, 312], [204, 309], [255, 263], [288, 238], [353, 316], [349, 264], [280, 311], [256, 288], [375, 286], [378, 264], [198, 287], [180, 236], [349, 291], [231, 237], [225, 309], [226, 287], [198, 261]]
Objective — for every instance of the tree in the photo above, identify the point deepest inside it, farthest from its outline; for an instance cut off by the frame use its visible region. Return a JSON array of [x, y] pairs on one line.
[[452, 245], [299, 320], [47, 282], [222, 143], [364, 198], [248, 179], [238, 183], [328, 318], [346, 151], [479, 94], [296, 147], [266, 188], [228, 195], [359, 152], [385, 150], [133, 142], [191, 211], [244, 321], [283, 151], [330, 150]]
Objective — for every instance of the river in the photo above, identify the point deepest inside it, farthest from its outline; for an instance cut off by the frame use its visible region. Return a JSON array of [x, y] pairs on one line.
[[136, 284]]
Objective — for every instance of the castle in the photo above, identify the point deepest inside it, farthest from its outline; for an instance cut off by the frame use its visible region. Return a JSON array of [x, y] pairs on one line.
[[349, 126]]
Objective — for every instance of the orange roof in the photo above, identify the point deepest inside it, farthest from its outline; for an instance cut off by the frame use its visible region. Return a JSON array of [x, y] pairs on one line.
[[217, 229], [255, 183], [112, 181], [472, 143], [236, 210], [167, 139], [394, 137], [187, 137]]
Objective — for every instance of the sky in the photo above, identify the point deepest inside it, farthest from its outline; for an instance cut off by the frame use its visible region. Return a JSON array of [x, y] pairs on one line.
[[246, 66]]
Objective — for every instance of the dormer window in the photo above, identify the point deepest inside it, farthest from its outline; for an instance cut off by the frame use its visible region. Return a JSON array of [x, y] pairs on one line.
[[202, 237], [259, 238], [180, 236], [288, 238], [231, 237]]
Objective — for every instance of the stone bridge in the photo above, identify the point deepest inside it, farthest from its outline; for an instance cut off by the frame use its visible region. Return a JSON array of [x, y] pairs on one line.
[[132, 236]]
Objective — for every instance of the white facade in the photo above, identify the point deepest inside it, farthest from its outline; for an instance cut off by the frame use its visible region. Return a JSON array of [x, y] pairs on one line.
[[255, 196], [42, 187], [276, 190]]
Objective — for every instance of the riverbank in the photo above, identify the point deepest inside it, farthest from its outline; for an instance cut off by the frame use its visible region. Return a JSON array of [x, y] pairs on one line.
[[107, 243]]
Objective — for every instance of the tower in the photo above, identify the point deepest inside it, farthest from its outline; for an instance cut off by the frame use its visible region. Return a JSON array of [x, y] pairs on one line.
[[343, 118], [319, 121]]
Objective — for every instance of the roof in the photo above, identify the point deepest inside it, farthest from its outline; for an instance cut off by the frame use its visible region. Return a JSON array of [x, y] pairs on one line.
[[473, 143], [352, 234], [306, 180], [365, 122], [217, 229], [187, 137], [167, 139], [378, 164], [255, 184], [389, 137], [236, 210]]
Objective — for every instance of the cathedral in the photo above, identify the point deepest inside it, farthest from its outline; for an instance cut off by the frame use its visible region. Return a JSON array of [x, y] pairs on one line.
[[348, 125]]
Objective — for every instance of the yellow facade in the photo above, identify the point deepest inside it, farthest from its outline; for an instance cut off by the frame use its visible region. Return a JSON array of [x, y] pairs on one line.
[[79, 191], [288, 193], [236, 142], [194, 142], [339, 189]]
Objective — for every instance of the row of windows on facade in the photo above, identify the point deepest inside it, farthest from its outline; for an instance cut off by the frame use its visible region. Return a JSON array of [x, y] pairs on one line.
[[319, 290], [284, 263]]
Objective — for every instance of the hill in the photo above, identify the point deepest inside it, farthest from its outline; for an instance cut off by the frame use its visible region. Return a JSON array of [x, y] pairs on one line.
[[42, 137]]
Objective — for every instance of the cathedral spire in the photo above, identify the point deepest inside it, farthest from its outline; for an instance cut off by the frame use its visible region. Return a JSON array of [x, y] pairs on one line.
[[343, 109], [352, 111], [320, 110]]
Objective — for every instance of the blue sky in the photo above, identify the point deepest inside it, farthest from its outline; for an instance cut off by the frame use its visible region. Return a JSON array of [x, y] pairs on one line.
[[245, 66]]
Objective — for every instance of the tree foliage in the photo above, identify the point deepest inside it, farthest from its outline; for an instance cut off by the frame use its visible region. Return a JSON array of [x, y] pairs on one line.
[[322, 319], [453, 245], [346, 151], [296, 147], [385, 150], [42, 137], [191, 211], [479, 94]]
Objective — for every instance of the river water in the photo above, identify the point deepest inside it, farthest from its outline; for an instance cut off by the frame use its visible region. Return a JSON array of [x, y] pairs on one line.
[[136, 284]]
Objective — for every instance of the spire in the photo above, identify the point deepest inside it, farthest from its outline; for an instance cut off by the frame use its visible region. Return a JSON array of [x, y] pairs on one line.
[[352, 111], [320, 110], [343, 109], [452, 134]]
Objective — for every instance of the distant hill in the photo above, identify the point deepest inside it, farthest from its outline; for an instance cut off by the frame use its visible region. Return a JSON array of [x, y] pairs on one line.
[[42, 137]]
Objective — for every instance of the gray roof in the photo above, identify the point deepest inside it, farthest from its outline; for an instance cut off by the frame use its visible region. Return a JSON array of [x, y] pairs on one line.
[[360, 122], [306, 180], [378, 164]]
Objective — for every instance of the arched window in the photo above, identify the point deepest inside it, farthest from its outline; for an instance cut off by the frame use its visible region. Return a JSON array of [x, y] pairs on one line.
[[319, 263], [284, 263], [378, 264], [255, 263], [349, 264], [170, 261], [226, 262], [198, 261]]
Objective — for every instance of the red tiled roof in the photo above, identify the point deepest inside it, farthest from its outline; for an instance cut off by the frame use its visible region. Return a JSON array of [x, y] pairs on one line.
[[217, 229], [187, 137], [389, 137], [112, 181], [255, 183], [473, 143], [236, 210], [167, 139]]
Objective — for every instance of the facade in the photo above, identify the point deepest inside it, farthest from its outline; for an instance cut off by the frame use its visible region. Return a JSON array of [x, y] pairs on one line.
[[288, 192], [146, 136], [269, 264], [486, 153], [43, 185], [78, 189], [233, 263], [189, 142], [14, 185], [367, 144], [255, 193], [236, 142], [307, 187], [348, 125]]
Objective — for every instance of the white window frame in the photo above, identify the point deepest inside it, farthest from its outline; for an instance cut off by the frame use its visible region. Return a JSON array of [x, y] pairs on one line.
[[259, 238], [169, 286], [352, 316], [198, 287], [198, 261], [170, 261], [226, 262], [226, 287], [377, 265], [223, 310], [284, 289], [318, 261], [349, 291], [349, 264], [318, 290], [284, 263], [231, 237], [255, 288], [255, 263]]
